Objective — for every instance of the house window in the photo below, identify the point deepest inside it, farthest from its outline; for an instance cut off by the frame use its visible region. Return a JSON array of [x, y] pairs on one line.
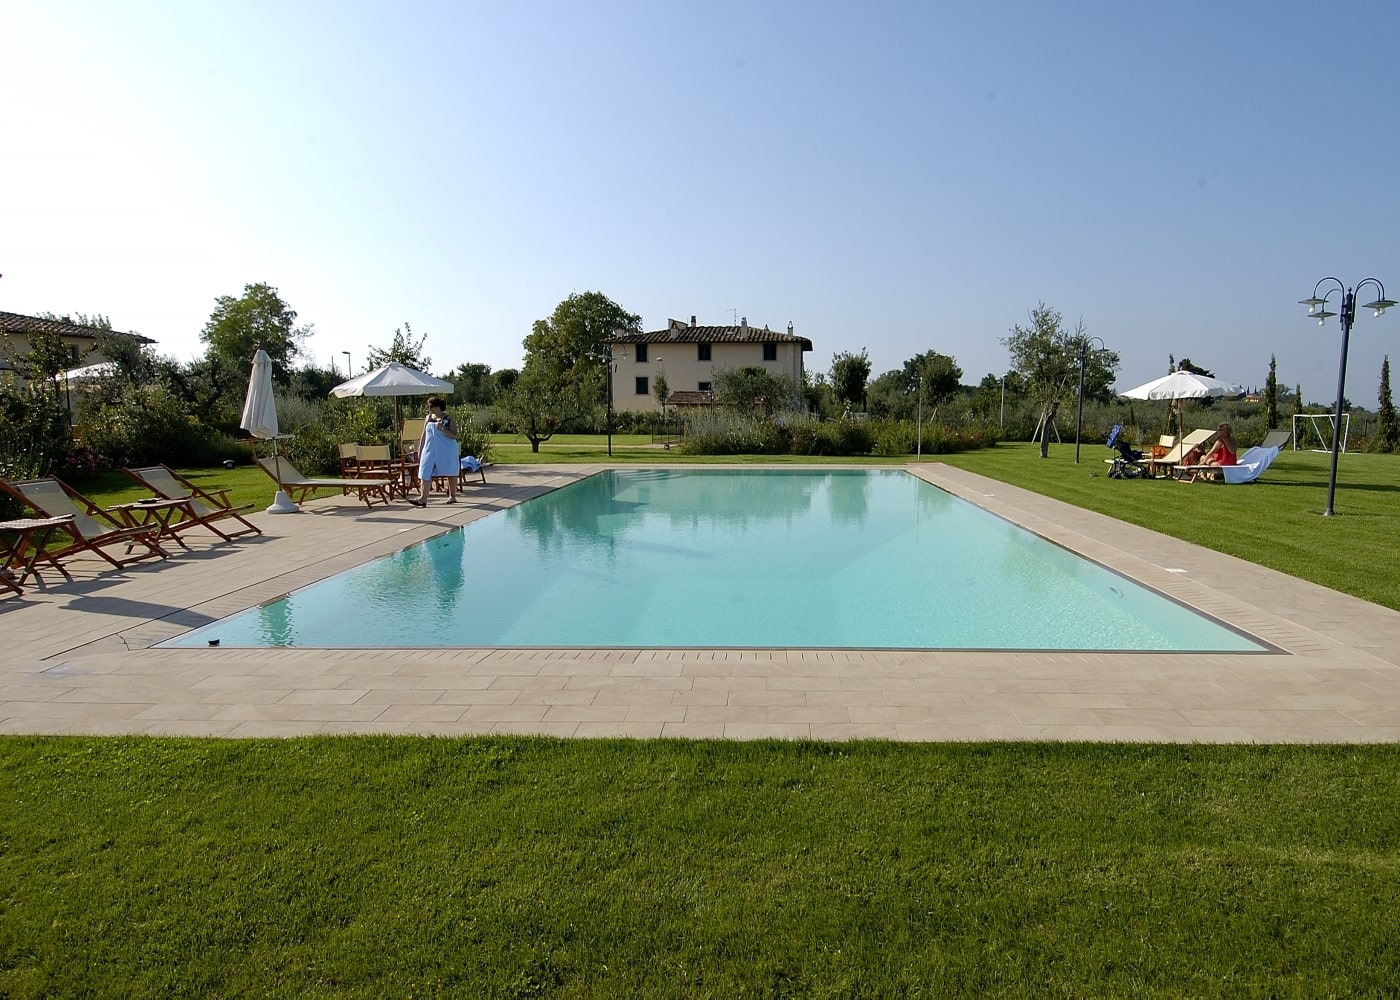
[[72, 353], [704, 351], [641, 385], [770, 352], [641, 353], [705, 386]]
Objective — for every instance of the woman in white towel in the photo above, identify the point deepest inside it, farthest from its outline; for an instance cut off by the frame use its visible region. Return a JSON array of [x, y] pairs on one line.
[[437, 452]]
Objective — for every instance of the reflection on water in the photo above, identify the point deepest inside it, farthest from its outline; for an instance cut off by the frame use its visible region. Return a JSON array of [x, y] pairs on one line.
[[735, 558]]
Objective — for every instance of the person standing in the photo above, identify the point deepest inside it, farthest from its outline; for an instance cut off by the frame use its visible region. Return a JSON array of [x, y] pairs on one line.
[[437, 452]]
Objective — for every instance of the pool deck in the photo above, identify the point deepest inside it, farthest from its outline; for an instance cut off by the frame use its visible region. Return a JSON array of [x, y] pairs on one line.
[[75, 657]]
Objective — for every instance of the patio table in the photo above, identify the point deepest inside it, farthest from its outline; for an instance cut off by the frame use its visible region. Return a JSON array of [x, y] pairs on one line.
[[157, 513], [24, 544]]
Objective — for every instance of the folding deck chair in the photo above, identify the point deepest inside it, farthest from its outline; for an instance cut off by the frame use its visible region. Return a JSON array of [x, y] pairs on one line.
[[201, 508], [1164, 464], [92, 528], [1247, 468], [298, 486]]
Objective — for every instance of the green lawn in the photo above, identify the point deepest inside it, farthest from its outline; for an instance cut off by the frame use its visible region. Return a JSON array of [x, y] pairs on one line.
[[370, 867]]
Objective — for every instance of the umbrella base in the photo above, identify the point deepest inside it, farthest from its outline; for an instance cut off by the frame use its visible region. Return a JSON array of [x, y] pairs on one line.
[[282, 504]]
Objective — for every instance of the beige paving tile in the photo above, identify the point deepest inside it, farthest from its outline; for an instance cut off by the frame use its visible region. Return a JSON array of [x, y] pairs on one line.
[[631, 730], [693, 730], [767, 731], [76, 655], [585, 713], [838, 732], [655, 713]]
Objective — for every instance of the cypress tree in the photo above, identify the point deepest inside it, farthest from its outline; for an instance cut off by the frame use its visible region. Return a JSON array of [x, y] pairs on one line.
[[1387, 432], [1271, 393]]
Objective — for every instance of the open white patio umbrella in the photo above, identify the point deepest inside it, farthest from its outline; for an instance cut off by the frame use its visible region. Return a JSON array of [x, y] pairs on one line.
[[394, 380], [260, 420], [1181, 385]]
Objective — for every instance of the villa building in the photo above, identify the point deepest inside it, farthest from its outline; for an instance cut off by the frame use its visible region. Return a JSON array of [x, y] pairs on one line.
[[78, 340], [689, 355]]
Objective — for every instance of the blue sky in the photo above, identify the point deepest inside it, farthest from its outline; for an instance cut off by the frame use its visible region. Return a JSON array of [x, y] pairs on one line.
[[894, 176]]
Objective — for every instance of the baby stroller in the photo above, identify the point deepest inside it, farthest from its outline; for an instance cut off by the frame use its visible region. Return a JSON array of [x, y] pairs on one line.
[[1128, 464]]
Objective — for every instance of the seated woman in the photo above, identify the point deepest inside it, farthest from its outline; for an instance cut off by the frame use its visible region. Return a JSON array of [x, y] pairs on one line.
[[1225, 452]]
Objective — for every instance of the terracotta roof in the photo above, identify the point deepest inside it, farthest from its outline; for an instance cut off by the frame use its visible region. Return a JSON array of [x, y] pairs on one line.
[[711, 335], [690, 397], [19, 323]]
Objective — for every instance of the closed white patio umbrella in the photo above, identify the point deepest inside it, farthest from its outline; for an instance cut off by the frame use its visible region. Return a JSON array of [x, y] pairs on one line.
[[260, 420]]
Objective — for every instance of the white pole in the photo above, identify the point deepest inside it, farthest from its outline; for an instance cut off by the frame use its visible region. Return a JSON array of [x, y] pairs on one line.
[[920, 433]]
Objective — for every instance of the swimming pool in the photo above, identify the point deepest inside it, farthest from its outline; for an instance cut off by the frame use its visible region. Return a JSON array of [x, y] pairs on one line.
[[676, 558]]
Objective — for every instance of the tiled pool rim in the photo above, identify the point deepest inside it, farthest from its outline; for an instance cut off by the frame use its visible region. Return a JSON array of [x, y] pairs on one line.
[[78, 660]]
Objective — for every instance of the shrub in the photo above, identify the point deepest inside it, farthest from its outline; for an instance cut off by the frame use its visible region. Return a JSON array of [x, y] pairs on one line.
[[139, 425], [34, 432], [721, 432]]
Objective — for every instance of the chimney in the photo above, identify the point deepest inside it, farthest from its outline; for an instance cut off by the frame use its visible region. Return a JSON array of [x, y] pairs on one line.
[[789, 328], [743, 324], [692, 321]]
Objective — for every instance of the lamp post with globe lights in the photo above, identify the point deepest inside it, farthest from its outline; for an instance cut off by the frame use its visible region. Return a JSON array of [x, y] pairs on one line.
[[1317, 308], [1079, 417]]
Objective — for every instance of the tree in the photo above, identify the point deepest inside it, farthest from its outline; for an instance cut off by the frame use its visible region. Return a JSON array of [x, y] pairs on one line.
[[661, 389], [404, 349], [1297, 407], [942, 378], [503, 380], [540, 403], [1186, 366], [1271, 393], [888, 396], [472, 385], [314, 382], [752, 387], [238, 327], [570, 341], [34, 430], [1047, 357], [849, 373], [1387, 431], [133, 360]]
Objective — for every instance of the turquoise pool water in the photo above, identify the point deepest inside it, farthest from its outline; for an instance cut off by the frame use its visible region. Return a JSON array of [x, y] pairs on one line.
[[721, 558]]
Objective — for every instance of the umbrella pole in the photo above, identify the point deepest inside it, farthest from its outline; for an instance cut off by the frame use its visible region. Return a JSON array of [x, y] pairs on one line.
[[281, 503]]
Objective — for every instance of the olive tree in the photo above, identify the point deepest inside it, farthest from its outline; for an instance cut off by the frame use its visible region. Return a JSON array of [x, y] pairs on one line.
[[1047, 357]]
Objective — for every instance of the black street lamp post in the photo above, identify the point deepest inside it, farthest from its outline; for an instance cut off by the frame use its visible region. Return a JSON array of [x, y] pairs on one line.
[[605, 353], [1317, 307], [1079, 418]]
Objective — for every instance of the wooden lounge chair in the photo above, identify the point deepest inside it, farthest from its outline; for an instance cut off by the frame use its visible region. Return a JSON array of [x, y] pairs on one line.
[[201, 508], [1164, 464], [298, 486], [92, 529], [1246, 469]]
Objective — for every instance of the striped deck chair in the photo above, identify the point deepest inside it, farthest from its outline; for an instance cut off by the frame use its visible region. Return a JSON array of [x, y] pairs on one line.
[[92, 528], [202, 509]]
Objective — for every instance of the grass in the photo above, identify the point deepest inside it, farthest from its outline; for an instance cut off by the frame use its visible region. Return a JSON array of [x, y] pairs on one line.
[[365, 867], [1275, 521]]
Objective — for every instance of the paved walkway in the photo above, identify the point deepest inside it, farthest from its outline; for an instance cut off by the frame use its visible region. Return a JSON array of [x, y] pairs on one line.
[[75, 659]]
